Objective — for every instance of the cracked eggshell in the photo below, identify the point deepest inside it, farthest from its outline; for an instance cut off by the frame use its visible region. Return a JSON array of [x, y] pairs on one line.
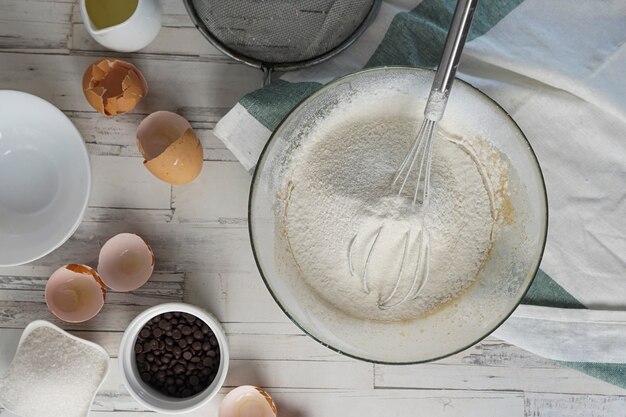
[[75, 293], [171, 150], [126, 262], [113, 86], [247, 401]]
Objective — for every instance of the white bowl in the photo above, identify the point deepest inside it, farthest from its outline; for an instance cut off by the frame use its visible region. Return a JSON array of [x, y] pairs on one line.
[[148, 396], [45, 178]]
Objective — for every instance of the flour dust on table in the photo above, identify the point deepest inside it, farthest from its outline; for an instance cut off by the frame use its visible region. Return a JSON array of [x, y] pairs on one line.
[[339, 184]]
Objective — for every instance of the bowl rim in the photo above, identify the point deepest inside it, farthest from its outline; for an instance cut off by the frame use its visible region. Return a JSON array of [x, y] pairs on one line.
[[83, 150], [37, 324], [126, 353], [255, 179]]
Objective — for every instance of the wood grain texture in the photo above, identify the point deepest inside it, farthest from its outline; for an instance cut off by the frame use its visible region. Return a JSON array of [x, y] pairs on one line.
[[200, 238]]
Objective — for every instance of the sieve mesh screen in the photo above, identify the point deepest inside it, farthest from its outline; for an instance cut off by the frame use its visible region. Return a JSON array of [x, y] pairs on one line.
[[282, 31]]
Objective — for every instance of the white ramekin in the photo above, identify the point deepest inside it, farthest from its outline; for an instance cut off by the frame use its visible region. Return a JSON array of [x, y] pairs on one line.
[[149, 397]]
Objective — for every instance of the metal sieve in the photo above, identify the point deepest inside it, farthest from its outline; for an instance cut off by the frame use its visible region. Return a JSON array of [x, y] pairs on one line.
[[281, 35]]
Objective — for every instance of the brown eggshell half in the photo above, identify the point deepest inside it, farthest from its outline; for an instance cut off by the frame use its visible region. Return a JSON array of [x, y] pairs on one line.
[[113, 86], [75, 293], [171, 150]]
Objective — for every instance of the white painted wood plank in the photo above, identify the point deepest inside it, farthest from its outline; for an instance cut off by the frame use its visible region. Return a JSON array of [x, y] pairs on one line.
[[362, 403], [247, 341], [219, 194], [159, 284], [439, 376], [177, 247], [119, 132], [117, 215], [173, 84], [35, 26], [124, 182], [566, 405], [112, 317], [233, 297], [495, 352], [300, 374], [171, 41], [22, 301], [269, 374]]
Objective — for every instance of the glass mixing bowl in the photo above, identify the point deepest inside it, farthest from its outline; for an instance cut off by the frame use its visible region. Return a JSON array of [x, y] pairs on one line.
[[501, 283]]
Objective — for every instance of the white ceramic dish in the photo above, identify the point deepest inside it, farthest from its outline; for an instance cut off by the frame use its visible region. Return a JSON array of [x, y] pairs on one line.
[[501, 283], [133, 34], [45, 178], [149, 397], [42, 323]]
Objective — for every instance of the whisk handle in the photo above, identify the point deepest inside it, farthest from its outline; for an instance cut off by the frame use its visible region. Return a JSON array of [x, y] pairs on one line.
[[449, 62]]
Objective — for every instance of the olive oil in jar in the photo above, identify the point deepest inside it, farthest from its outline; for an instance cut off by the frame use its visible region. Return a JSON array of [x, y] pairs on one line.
[[107, 13]]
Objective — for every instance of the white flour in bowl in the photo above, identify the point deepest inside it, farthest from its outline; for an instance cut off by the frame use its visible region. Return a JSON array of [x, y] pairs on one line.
[[339, 184]]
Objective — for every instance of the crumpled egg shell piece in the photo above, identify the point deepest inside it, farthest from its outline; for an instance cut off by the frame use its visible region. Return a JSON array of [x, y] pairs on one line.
[[247, 401], [113, 86], [75, 293], [171, 149], [126, 262]]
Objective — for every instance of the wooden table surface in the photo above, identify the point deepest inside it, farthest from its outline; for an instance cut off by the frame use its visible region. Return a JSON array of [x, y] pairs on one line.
[[199, 235]]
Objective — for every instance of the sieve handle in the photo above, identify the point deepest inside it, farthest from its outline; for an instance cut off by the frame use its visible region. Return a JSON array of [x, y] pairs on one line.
[[449, 62]]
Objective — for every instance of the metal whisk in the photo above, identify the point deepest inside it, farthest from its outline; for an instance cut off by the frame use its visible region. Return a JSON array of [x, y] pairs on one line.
[[415, 168]]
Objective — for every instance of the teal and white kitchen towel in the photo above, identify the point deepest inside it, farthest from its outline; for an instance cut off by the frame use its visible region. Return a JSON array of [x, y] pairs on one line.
[[559, 68]]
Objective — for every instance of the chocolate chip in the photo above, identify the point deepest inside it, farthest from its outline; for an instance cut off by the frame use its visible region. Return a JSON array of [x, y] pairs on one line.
[[177, 354]]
